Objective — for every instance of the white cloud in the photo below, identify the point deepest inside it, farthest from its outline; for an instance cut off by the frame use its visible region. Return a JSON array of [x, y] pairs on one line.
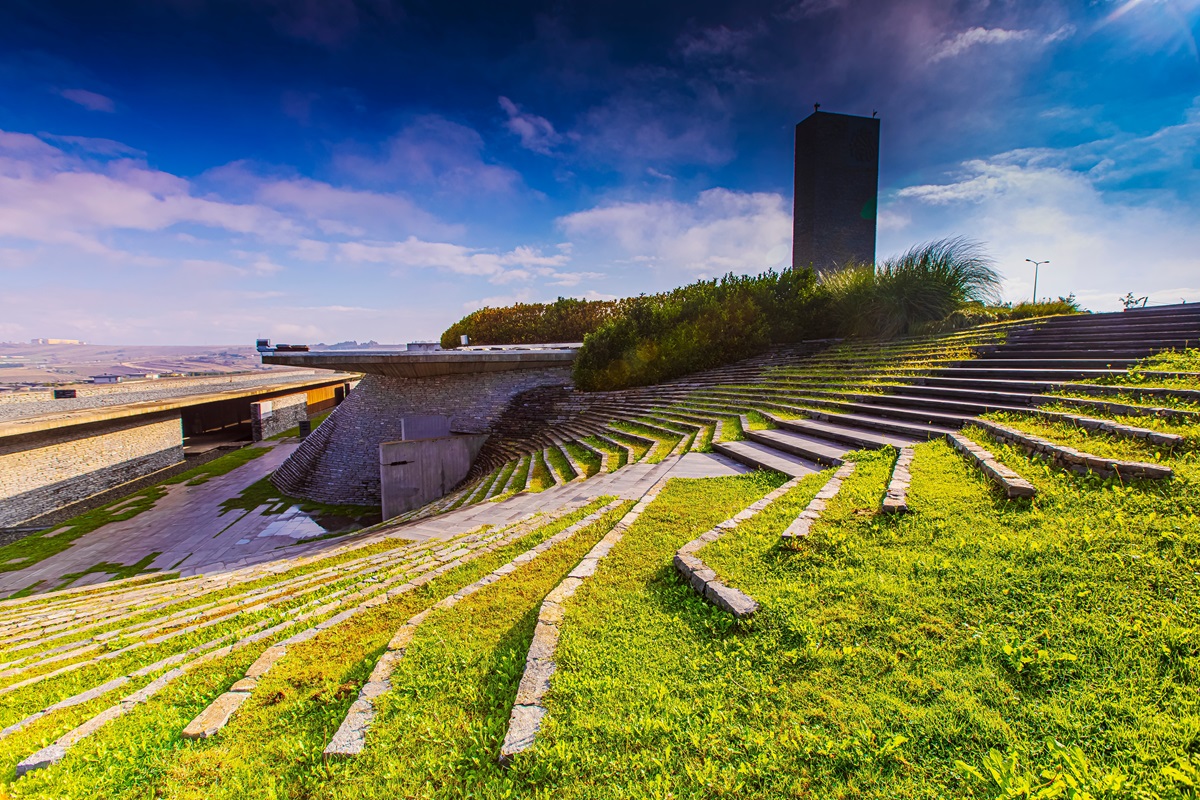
[[50, 196], [1034, 204], [974, 37], [721, 231], [90, 100], [519, 264], [431, 151], [536, 133]]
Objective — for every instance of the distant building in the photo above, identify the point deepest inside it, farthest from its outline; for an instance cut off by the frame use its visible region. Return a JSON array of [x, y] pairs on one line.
[[56, 341], [837, 191], [423, 347], [107, 378]]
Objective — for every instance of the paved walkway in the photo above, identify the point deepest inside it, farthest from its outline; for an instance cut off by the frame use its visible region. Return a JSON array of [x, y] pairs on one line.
[[192, 535], [186, 527]]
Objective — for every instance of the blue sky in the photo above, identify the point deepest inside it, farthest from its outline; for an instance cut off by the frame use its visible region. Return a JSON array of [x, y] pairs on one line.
[[209, 171]]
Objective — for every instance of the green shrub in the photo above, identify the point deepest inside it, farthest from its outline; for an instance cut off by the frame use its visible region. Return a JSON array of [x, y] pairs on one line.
[[927, 284], [699, 326], [1046, 308], [567, 319]]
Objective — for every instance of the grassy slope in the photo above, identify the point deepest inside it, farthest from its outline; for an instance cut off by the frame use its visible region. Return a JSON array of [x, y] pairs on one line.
[[277, 738], [890, 656]]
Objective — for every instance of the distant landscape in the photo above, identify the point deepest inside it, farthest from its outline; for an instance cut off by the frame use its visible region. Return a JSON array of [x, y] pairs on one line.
[[43, 364]]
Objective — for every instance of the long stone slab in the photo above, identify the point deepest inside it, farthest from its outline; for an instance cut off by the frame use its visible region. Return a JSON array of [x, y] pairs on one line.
[[802, 525], [529, 710], [351, 736], [703, 579]]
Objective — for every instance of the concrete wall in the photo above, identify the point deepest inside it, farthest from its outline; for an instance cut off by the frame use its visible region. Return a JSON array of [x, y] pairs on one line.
[[339, 462], [43, 472], [836, 191], [414, 473], [271, 417]]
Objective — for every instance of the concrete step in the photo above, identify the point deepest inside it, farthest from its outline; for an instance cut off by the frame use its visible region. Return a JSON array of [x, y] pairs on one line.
[[847, 434], [807, 447], [920, 431], [760, 456], [940, 404], [1126, 351]]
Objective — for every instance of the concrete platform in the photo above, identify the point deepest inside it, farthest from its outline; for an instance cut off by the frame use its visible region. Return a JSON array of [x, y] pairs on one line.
[[426, 364]]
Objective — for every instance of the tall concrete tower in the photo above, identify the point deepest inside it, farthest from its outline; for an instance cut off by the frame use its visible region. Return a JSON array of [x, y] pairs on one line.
[[837, 190]]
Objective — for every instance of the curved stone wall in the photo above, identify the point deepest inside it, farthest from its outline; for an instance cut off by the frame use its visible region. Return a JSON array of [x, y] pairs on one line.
[[339, 461]]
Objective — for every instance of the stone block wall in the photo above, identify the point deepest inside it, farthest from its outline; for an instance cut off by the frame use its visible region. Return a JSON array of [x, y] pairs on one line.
[[271, 417], [43, 472], [339, 462]]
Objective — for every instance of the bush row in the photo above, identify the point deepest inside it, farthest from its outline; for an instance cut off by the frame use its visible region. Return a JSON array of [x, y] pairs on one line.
[[565, 320], [638, 341]]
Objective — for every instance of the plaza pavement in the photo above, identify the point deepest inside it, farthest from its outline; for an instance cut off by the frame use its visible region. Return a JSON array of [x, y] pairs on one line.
[[191, 533]]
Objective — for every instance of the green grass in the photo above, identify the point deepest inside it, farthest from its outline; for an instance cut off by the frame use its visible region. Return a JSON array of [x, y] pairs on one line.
[[1185, 360], [542, 479], [586, 458], [115, 571], [969, 648], [663, 445], [264, 493], [619, 456], [143, 755], [315, 420], [38, 546], [637, 446], [561, 465], [218, 466]]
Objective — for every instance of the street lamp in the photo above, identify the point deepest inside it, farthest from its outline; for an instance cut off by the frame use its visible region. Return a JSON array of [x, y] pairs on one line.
[[1036, 264]]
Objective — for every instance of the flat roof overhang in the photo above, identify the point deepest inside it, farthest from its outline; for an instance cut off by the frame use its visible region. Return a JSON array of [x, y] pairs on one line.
[[409, 364], [146, 408]]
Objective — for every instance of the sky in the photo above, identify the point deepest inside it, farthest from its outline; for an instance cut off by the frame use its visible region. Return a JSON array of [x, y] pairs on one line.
[[212, 171]]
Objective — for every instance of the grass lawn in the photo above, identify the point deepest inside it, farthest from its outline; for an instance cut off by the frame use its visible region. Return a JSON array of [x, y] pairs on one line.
[[972, 647], [277, 737]]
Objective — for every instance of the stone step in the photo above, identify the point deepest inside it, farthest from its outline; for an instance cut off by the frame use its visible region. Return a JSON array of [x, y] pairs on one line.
[[846, 434], [760, 456], [811, 448]]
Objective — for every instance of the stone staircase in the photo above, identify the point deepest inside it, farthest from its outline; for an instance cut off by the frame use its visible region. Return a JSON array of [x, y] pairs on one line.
[[75, 661], [800, 409]]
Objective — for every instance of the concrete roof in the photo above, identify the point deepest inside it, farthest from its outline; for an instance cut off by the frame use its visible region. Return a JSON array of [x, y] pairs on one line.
[[426, 363], [87, 416]]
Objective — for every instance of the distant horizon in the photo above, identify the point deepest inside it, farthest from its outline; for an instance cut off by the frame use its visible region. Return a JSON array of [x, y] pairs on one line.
[[192, 172]]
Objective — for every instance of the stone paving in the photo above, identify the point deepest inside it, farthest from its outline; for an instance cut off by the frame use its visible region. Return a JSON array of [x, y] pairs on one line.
[[187, 529], [192, 535]]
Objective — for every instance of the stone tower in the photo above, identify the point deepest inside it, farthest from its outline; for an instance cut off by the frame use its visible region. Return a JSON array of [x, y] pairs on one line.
[[837, 190]]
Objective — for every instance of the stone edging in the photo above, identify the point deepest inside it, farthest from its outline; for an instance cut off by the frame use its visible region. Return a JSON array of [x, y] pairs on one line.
[[1069, 457], [1009, 481], [528, 711], [352, 734], [1115, 428], [218, 713], [896, 499], [703, 579], [1121, 409], [801, 526]]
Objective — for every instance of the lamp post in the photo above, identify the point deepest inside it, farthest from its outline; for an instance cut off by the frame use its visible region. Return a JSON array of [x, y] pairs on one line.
[[1036, 264]]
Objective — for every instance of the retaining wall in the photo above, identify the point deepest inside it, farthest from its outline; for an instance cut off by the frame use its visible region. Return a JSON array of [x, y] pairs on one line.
[[271, 417], [339, 462], [57, 467]]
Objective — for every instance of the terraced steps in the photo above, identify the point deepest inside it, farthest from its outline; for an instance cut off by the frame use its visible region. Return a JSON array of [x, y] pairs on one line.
[[762, 456]]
